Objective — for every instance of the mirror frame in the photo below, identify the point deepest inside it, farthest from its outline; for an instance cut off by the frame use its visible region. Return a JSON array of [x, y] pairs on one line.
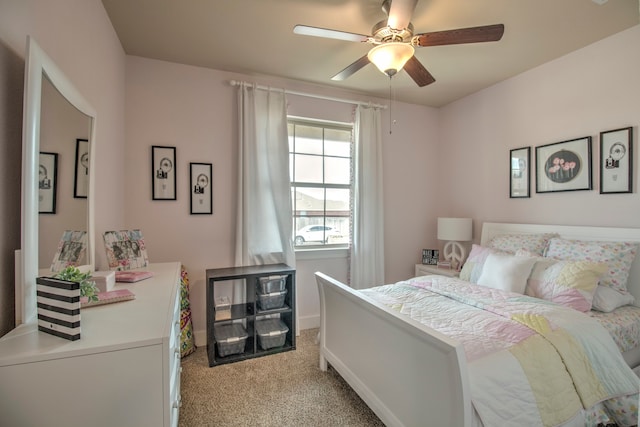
[[37, 65]]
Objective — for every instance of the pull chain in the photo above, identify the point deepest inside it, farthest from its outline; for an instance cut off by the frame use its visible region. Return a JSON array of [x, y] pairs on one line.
[[390, 107]]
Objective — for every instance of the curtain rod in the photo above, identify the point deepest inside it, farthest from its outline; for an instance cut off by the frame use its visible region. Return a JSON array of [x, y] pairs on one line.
[[310, 95]]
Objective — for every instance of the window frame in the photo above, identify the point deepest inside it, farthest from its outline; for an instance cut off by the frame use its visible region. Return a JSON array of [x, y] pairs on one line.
[[324, 124]]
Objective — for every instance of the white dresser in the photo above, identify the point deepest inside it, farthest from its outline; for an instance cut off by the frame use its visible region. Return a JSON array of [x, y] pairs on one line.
[[124, 371]]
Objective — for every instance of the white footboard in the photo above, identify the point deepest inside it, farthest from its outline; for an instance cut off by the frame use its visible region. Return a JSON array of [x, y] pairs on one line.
[[407, 373]]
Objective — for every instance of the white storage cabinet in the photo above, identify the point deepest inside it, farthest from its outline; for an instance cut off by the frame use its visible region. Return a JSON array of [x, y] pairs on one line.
[[124, 370]]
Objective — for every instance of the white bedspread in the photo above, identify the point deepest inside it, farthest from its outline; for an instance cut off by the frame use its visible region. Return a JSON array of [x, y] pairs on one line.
[[530, 362]]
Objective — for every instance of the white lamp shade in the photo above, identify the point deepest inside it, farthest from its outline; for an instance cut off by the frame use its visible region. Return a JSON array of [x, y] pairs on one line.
[[455, 229], [390, 57]]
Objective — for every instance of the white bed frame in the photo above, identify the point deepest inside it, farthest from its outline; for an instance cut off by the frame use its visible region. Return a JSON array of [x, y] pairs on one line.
[[407, 373]]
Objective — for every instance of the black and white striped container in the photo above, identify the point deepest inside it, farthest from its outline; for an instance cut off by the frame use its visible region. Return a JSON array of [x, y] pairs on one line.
[[58, 307]]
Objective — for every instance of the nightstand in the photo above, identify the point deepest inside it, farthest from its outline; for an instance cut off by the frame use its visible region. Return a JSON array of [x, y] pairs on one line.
[[424, 269]]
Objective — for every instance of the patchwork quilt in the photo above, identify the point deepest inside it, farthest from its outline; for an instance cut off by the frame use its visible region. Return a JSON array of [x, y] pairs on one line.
[[530, 362]]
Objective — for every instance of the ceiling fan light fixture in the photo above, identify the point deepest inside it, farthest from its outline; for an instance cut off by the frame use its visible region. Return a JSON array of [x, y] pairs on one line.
[[390, 57]]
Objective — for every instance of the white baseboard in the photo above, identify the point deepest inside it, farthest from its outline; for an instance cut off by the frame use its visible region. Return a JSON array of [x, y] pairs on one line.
[[307, 322], [201, 338]]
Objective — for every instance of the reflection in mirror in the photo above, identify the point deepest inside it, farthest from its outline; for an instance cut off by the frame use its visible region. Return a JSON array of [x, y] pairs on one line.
[[61, 126], [38, 69]]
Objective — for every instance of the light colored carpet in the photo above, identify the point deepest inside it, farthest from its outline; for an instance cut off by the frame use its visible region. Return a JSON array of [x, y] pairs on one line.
[[285, 389]]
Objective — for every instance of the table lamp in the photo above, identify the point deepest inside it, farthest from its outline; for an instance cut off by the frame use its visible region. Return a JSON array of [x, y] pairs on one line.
[[455, 230]]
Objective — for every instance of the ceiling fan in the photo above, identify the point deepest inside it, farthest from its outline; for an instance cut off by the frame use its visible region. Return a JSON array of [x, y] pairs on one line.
[[394, 41]]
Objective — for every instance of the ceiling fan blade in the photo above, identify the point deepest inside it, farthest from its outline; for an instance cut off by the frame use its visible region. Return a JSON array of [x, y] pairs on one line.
[[418, 73], [351, 69], [400, 13], [330, 34], [487, 33]]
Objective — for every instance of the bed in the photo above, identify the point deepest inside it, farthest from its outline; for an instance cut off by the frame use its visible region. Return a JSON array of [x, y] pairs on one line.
[[412, 374]]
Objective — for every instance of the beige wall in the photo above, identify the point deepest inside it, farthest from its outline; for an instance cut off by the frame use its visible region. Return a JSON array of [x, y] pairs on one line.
[[581, 94], [194, 109], [78, 36]]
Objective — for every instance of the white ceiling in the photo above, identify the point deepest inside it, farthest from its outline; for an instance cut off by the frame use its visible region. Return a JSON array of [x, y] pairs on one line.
[[255, 37]]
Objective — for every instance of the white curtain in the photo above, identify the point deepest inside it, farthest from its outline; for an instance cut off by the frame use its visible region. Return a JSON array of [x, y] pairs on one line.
[[264, 225], [367, 252]]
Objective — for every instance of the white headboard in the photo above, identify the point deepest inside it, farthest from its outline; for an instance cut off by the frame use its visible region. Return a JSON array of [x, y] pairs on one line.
[[490, 229]]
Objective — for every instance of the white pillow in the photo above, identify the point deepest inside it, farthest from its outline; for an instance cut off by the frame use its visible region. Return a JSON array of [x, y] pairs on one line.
[[506, 272], [607, 299]]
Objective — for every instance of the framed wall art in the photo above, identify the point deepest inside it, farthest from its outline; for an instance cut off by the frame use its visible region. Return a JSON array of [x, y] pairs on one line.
[[81, 178], [616, 161], [201, 191], [520, 172], [163, 170], [564, 166], [47, 182]]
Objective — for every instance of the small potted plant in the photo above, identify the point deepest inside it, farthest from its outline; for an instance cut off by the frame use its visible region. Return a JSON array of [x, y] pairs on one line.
[[88, 287]]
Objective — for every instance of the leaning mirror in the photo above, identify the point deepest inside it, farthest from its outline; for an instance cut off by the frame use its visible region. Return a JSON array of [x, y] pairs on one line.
[[58, 139]]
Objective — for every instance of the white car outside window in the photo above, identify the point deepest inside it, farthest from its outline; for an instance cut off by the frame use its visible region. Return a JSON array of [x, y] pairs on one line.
[[315, 233]]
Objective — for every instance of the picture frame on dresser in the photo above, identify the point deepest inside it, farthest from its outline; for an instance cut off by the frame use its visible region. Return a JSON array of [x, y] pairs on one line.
[[616, 161], [125, 249], [47, 182], [564, 166], [519, 172], [163, 172], [201, 188]]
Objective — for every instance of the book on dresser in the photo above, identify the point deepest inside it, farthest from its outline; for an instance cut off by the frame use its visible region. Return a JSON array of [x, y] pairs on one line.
[[129, 276], [108, 298]]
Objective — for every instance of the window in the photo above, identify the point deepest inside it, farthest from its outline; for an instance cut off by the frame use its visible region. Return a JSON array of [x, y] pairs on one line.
[[320, 170]]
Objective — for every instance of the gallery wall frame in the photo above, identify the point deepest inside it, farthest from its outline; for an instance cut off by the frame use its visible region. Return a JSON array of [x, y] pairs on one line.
[[163, 172], [201, 188], [564, 166], [616, 161], [81, 176], [520, 173], [47, 182]]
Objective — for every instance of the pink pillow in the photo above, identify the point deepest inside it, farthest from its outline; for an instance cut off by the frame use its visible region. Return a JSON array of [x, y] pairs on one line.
[[617, 255], [569, 283]]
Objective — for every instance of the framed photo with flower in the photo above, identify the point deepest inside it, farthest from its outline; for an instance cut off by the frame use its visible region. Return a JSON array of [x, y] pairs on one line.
[[564, 166], [519, 172], [163, 172], [71, 250], [125, 249], [616, 161]]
